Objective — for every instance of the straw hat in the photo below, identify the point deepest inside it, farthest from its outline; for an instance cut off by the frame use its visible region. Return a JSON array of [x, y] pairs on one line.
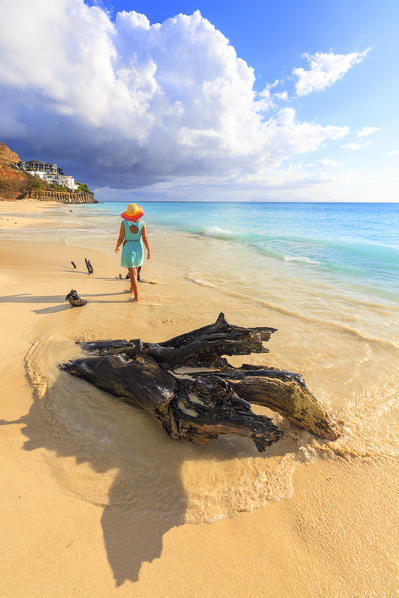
[[133, 213]]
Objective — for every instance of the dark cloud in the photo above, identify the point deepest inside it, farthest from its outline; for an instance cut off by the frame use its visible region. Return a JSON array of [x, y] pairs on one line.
[[125, 104]]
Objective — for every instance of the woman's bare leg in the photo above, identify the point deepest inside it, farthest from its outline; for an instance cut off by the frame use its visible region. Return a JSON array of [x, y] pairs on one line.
[[133, 283]]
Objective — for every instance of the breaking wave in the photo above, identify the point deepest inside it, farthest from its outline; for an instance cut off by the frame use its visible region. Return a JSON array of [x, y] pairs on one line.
[[217, 232]]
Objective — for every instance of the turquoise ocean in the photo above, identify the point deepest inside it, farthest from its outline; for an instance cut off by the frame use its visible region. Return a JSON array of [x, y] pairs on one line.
[[351, 244]]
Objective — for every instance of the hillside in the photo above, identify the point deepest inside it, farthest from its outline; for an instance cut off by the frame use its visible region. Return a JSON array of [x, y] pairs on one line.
[[17, 184], [14, 183]]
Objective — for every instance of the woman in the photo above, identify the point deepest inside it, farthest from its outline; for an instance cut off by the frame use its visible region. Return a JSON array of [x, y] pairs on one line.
[[133, 234]]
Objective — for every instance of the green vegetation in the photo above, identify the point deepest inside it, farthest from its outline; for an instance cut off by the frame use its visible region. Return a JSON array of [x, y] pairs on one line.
[[82, 187], [36, 184], [57, 187]]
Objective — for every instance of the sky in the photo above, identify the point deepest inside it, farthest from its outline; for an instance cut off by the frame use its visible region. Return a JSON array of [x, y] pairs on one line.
[[206, 101]]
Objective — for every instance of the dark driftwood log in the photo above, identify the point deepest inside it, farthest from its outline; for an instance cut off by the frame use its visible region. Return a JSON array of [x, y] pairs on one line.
[[89, 266], [199, 405]]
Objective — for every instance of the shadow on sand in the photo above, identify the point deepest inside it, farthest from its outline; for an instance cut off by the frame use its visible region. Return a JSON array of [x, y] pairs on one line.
[[147, 497], [59, 300], [132, 520]]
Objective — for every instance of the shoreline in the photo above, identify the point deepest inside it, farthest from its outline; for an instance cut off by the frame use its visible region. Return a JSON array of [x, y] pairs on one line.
[[93, 486], [17, 214]]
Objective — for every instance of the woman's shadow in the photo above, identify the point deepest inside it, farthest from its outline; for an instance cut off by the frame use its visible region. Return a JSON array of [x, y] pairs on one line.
[[147, 497]]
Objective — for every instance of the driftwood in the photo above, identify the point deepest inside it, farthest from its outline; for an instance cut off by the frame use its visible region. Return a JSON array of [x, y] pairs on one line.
[[74, 299], [138, 275], [194, 392], [89, 266]]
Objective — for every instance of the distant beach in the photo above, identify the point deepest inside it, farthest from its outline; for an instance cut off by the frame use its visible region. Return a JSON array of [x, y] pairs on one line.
[[99, 501]]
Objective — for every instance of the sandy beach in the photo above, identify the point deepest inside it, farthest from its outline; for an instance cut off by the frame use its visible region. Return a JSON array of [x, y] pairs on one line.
[[15, 214], [98, 501]]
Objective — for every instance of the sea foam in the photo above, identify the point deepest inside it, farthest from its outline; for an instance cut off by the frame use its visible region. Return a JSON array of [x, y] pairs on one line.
[[299, 258], [217, 232]]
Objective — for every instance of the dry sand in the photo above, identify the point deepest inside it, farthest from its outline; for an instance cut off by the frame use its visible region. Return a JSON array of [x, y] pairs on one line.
[[98, 501]]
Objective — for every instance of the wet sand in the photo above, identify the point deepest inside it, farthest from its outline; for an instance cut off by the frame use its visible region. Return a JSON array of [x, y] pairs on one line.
[[97, 500], [16, 214]]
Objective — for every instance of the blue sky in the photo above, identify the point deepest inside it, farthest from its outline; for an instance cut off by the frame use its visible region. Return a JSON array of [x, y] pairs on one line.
[[271, 101]]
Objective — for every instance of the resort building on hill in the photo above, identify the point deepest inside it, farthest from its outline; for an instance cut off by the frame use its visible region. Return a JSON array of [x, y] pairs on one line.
[[49, 172]]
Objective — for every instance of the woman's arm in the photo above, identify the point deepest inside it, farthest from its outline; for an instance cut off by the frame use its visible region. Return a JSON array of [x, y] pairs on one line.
[[120, 238], [145, 241]]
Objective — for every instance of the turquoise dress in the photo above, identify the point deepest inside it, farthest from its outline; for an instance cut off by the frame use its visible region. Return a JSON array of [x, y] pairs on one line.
[[132, 252]]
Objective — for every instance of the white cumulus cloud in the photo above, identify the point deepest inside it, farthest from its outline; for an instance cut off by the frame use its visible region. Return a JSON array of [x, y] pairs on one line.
[[325, 68], [355, 146], [328, 162], [282, 95], [366, 131], [127, 103]]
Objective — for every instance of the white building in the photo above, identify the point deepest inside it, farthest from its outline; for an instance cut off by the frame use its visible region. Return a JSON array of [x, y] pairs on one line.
[[59, 179], [50, 173]]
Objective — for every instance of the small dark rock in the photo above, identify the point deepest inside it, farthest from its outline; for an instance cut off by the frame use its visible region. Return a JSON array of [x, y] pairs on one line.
[[74, 299]]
